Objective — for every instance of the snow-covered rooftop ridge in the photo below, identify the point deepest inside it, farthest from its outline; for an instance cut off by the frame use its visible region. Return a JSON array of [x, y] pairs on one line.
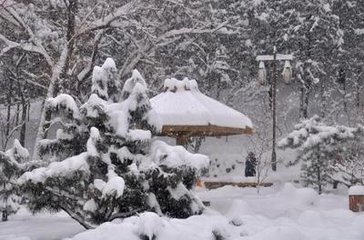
[[174, 85], [183, 104], [356, 190]]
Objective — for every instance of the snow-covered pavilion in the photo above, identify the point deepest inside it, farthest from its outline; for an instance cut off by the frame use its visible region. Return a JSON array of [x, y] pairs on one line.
[[185, 112]]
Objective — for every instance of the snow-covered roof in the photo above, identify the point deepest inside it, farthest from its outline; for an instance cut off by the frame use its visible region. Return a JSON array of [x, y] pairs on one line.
[[356, 190], [182, 104]]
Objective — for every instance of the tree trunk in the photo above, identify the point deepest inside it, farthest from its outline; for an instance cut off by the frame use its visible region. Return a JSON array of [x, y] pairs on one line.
[[8, 114], [24, 125], [5, 216], [323, 100], [45, 118], [23, 105], [72, 9], [319, 181], [305, 93]]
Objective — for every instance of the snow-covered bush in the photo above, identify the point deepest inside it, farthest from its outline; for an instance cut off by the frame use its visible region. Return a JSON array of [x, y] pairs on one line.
[[12, 164], [105, 165], [323, 150]]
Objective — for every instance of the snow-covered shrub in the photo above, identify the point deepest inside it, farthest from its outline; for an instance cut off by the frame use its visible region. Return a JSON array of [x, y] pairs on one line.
[[108, 167], [12, 164], [322, 150]]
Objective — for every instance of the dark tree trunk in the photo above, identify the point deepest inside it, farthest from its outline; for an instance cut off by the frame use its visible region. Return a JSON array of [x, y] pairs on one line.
[[8, 114], [65, 83], [24, 125], [5, 216], [305, 100]]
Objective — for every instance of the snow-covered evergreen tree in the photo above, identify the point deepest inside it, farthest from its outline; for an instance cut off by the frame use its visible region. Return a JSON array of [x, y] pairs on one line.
[[319, 147], [348, 167], [70, 132], [12, 164], [115, 169]]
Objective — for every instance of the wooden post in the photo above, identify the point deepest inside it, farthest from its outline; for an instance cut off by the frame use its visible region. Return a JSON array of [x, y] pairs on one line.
[[274, 94], [182, 140], [356, 203], [356, 198]]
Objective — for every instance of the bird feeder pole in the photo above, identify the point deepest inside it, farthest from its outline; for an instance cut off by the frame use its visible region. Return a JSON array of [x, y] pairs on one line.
[[274, 59]]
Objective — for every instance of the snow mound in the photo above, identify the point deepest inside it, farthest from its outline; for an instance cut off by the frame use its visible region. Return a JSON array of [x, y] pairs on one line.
[[302, 196], [330, 220], [150, 225], [238, 208], [279, 233], [12, 237]]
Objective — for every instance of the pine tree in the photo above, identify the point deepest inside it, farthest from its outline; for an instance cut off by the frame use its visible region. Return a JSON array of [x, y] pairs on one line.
[[108, 167], [318, 148], [12, 164]]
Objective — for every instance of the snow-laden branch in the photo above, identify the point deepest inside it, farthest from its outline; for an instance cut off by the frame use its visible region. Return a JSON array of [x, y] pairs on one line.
[[109, 19], [29, 47], [36, 46], [183, 31], [34, 77]]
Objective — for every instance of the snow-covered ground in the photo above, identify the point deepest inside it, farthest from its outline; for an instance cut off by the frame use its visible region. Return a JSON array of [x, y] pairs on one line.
[[280, 212], [44, 226]]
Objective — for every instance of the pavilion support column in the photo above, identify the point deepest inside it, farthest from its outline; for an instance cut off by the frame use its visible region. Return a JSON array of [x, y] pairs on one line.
[[182, 140]]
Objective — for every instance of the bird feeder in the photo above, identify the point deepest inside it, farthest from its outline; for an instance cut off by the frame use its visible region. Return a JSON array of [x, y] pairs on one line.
[[287, 72], [262, 74]]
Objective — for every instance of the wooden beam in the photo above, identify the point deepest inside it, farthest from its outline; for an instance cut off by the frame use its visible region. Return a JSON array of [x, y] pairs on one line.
[[210, 130], [214, 185]]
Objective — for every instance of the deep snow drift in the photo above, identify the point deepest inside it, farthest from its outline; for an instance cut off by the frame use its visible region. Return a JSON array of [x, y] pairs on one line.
[[276, 213]]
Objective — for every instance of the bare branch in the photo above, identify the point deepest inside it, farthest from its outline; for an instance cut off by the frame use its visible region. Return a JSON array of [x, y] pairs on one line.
[[24, 46], [88, 69], [109, 19], [183, 31], [38, 46]]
